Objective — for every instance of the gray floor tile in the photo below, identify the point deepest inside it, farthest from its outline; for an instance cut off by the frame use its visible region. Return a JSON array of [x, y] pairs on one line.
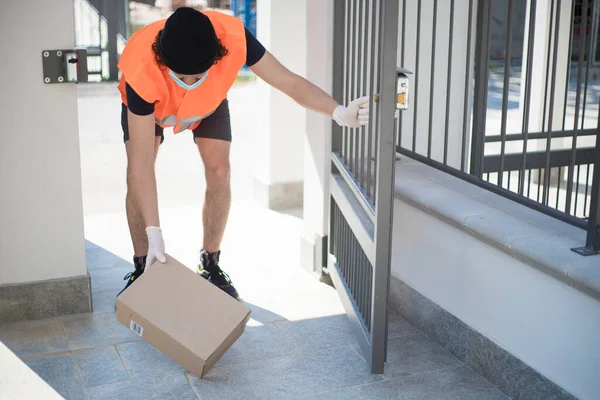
[[143, 360], [100, 366], [414, 354], [108, 279], [33, 337], [167, 387], [285, 377], [343, 394], [258, 343], [60, 373], [262, 315], [452, 384], [319, 333], [104, 302], [89, 330], [98, 257]]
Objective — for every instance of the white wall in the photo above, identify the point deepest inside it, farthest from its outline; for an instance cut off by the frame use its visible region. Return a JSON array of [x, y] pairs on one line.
[[41, 215], [281, 28], [551, 326]]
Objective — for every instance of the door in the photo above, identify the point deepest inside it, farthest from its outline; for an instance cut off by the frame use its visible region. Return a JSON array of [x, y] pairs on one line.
[[362, 169]]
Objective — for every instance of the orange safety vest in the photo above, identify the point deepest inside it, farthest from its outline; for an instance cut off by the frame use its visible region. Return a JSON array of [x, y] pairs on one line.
[[173, 105]]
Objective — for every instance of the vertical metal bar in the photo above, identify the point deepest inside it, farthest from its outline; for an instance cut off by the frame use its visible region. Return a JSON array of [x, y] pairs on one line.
[[551, 112], [569, 55], [593, 34], [544, 121], [346, 251], [356, 267], [529, 183], [432, 77], [577, 191], [481, 86], [539, 184], [363, 87], [369, 295], [352, 265], [339, 91], [581, 58], [402, 63], [416, 83], [354, 50], [351, 262], [378, 123], [346, 72], [359, 39], [449, 79], [371, 90], [342, 243], [466, 107], [507, 56], [527, 99], [360, 294], [587, 187], [558, 187]]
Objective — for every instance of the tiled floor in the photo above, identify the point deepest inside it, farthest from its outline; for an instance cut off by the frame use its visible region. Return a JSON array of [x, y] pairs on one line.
[[298, 344]]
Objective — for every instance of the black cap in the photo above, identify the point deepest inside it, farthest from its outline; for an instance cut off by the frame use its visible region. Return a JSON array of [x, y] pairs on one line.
[[188, 43]]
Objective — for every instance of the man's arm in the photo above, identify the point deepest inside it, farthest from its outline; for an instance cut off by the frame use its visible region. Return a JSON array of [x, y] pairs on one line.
[[310, 96], [299, 89], [140, 166]]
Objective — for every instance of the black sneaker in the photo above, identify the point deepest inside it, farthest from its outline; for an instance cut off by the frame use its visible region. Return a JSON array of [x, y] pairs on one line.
[[220, 279], [139, 263]]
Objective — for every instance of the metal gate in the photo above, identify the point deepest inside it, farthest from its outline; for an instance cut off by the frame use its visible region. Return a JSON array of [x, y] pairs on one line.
[[362, 177]]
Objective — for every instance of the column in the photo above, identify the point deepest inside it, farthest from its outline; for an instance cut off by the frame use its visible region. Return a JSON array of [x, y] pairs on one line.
[[279, 155], [317, 141], [42, 271]]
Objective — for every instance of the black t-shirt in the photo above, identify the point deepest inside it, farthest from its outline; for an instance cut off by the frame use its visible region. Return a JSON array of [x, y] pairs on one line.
[[254, 52]]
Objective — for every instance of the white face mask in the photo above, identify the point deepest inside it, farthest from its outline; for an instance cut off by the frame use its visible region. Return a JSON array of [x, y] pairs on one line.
[[185, 85]]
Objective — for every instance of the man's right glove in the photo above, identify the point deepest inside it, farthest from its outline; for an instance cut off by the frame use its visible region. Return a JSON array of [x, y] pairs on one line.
[[355, 115], [156, 246]]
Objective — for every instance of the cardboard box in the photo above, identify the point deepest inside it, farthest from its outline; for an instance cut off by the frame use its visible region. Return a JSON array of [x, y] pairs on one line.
[[182, 315]]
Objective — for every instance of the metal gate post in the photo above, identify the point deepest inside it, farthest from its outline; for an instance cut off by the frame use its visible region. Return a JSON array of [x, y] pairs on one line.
[[386, 154]]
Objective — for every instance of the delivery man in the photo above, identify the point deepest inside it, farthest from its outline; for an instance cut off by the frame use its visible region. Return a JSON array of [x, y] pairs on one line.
[[176, 73]]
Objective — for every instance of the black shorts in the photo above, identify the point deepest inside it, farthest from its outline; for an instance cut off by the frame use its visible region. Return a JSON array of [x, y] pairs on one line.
[[215, 126]]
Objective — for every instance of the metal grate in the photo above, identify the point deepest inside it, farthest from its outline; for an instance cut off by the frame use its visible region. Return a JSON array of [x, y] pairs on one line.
[[352, 263], [356, 149], [506, 105]]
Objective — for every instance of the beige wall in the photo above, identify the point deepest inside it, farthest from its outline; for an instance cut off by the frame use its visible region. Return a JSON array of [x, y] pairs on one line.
[[41, 216]]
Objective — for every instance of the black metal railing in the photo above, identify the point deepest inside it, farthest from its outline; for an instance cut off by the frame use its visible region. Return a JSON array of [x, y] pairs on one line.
[[503, 99]]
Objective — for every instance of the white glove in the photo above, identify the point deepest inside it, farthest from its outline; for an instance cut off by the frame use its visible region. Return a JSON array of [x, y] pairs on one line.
[[355, 115], [156, 246]]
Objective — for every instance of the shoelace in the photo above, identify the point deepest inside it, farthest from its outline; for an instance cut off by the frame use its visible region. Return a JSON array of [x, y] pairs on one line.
[[134, 273], [219, 273]]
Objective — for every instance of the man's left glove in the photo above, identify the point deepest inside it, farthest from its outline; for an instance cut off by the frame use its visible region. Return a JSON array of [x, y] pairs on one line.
[[156, 246], [355, 115]]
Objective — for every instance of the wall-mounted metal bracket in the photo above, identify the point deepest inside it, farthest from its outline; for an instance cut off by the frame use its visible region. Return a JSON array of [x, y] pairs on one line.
[[64, 66]]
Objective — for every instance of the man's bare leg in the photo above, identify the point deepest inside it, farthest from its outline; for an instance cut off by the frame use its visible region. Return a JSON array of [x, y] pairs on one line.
[[217, 199], [134, 216]]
